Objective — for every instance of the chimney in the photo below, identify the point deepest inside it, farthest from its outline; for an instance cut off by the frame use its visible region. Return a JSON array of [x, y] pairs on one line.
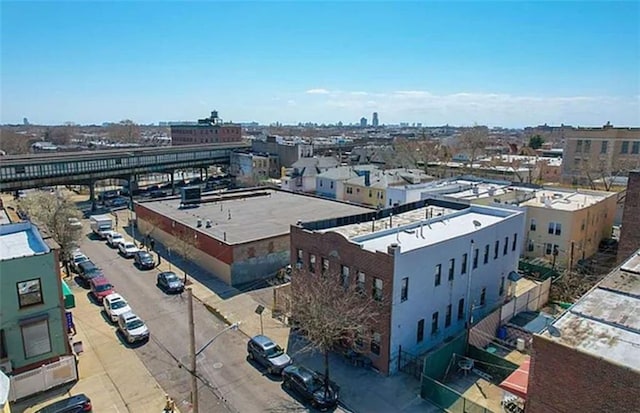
[[392, 248], [367, 178]]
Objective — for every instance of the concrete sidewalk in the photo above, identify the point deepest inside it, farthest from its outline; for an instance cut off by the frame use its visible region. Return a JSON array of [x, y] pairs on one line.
[[110, 374]]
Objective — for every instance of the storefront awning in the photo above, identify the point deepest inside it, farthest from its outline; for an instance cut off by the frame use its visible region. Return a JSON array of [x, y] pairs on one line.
[[518, 381], [69, 299]]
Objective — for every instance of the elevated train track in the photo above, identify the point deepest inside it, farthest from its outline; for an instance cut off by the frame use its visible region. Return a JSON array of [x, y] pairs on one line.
[[84, 168]]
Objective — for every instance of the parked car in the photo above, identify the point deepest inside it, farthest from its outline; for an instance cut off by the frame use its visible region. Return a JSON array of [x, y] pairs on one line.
[[100, 288], [144, 260], [169, 282], [88, 270], [114, 239], [128, 249], [114, 305], [76, 259], [132, 327], [310, 385], [74, 404], [267, 353]]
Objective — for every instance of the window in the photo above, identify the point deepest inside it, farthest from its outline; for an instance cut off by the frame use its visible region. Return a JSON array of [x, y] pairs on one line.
[[475, 258], [299, 256], [579, 145], [548, 248], [463, 269], [625, 147], [29, 293], [404, 289], [438, 274], [587, 146], [377, 289], [515, 242], [501, 286], [36, 339], [344, 276], [360, 282], [461, 309], [533, 225], [555, 228], [496, 249], [349, 190], [375, 343], [325, 266], [447, 317], [420, 333], [434, 323], [603, 146], [635, 148], [505, 247], [483, 296], [312, 263], [452, 267], [486, 253], [3, 346], [530, 246]]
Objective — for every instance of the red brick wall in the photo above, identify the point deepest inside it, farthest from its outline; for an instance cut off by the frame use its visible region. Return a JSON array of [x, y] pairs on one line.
[[339, 251], [191, 135], [629, 233], [215, 248], [564, 380]]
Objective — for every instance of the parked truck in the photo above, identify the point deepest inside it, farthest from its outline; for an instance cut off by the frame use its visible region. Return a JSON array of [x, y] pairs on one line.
[[101, 224]]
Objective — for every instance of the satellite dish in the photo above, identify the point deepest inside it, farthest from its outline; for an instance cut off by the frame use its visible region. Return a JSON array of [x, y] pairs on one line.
[[477, 223]]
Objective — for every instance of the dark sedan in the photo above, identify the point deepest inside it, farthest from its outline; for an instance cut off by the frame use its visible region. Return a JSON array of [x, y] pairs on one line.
[[144, 260], [74, 404], [310, 386], [169, 282], [88, 270]]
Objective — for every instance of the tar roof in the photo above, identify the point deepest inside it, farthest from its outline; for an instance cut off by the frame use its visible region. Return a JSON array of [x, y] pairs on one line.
[[243, 216], [565, 200], [428, 232], [605, 322]]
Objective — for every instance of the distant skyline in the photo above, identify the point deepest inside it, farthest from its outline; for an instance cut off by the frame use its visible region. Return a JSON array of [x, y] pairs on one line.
[[510, 64]]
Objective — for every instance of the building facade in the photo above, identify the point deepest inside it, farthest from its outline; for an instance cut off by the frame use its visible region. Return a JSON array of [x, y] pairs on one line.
[[587, 360], [432, 276], [303, 173], [591, 153], [629, 233], [208, 130], [33, 327], [251, 168], [564, 226]]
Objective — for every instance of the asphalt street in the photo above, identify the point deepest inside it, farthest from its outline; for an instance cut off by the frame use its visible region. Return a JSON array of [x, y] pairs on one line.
[[228, 382]]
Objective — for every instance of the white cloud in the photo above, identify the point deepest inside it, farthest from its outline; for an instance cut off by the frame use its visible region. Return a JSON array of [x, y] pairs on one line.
[[318, 91]]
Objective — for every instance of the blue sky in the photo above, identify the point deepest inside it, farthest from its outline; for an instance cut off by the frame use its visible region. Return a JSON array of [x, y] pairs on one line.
[[507, 63]]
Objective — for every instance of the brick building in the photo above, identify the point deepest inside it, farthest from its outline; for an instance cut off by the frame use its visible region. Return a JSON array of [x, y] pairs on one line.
[[429, 274], [240, 236], [587, 360], [598, 152], [208, 130], [629, 233]]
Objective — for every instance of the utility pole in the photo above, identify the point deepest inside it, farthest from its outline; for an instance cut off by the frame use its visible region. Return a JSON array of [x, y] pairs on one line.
[[192, 354]]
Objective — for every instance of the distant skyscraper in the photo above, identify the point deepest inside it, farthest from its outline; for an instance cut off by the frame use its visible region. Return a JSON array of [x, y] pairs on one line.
[[363, 122], [374, 121], [25, 121]]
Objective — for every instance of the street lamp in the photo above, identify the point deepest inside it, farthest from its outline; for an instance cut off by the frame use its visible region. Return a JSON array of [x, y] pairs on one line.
[[233, 327]]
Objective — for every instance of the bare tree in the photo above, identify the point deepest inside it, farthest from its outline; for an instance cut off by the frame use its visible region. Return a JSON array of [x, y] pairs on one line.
[[59, 216], [124, 131], [473, 141], [185, 243], [328, 311], [13, 143]]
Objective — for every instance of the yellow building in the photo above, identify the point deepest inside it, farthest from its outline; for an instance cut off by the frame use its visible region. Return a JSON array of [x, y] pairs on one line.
[[370, 187], [565, 226]]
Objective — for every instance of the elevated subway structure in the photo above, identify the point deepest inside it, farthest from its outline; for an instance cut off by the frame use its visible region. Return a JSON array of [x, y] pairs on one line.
[[88, 167]]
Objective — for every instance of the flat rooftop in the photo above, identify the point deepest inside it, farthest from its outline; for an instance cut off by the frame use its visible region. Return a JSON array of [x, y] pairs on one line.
[[20, 240], [565, 200], [416, 229], [605, 322], [248, 215]]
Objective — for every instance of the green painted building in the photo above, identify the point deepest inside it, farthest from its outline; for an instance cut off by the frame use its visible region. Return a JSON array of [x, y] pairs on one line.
[[33, 327]]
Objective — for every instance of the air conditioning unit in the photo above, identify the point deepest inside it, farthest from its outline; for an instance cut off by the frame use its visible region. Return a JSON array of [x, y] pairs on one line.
[[5, 366]]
